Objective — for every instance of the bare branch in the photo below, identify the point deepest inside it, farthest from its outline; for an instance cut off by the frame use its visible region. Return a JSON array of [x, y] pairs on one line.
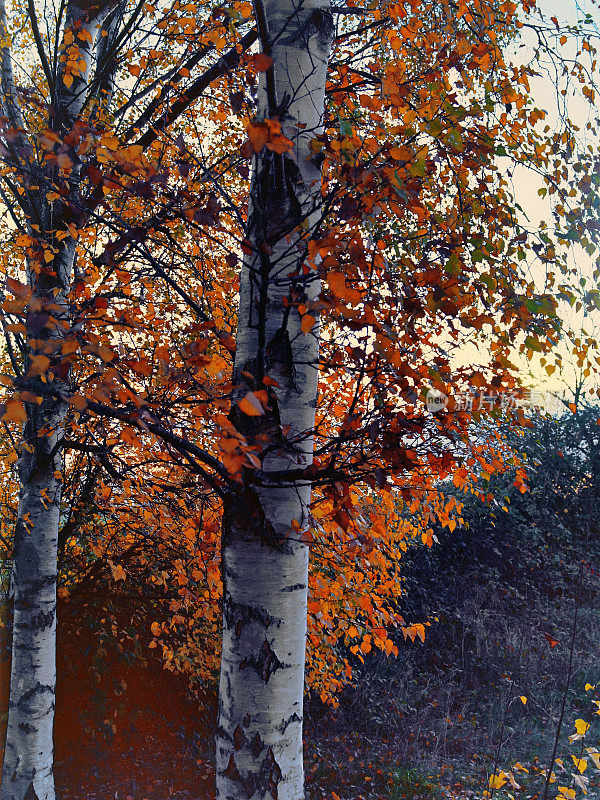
[[40, 46]]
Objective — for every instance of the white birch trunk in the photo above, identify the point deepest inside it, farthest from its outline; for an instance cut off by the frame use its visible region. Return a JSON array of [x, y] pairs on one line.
[[265, 565], [27, 772]]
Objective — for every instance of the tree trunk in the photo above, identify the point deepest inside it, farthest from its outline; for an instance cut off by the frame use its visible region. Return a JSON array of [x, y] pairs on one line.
[[265, 560], [27, 772]]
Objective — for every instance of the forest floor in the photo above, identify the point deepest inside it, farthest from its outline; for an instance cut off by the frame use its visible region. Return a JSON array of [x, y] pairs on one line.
[[482, 694], [162, 742], [508, 643], [161, 748]]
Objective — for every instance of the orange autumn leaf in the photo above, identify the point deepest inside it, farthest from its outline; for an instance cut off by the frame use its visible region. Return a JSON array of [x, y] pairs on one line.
[[39, 365], [337, 284], [308, 322], [251, 405], [258, 135], [78, 402], [15, 411]]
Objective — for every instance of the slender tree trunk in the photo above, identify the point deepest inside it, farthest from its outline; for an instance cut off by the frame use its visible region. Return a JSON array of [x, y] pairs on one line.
[[28, 757], [265, 561], [27, 772]]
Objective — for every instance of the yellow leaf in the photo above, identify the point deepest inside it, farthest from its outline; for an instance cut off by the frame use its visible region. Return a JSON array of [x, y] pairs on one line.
[[567, 792], [420, 631], [118, 572], [67, 80], [580, 763], [589, 686], [155, 628], [523, 699], [109, 141], [581, 726], [595, 756], [497, 781]]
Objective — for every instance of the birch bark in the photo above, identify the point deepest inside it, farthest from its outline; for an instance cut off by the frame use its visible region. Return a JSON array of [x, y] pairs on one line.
[[265, 562], [27, 772]]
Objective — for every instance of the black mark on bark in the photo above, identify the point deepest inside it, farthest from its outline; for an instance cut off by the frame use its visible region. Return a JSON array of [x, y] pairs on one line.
[[270, 774], [293, 718], [256, 746], [222, 733], [41, 621], [248, 785], [239, 738], [31, 793], [322, 19], [294, 588], [265, 663], [237, 615], [27, 728], [232, 772], [26, 699]]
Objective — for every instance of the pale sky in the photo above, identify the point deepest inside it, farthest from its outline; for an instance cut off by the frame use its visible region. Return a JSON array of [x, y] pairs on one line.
[[536, 208]]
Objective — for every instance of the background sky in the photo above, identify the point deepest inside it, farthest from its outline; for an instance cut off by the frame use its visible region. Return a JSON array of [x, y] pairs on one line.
[[543, 91]]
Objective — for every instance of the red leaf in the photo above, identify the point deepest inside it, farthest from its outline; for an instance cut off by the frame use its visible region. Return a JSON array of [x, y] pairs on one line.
[[262, 61]]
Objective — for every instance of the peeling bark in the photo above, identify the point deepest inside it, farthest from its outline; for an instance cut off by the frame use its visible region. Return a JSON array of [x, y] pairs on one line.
[[265, 562]]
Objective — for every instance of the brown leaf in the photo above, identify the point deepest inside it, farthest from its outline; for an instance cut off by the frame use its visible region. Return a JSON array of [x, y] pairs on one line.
[[262, 61], [15, 411]]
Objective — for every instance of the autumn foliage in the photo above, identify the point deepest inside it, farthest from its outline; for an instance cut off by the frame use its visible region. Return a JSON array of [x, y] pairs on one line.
[[421, 251]]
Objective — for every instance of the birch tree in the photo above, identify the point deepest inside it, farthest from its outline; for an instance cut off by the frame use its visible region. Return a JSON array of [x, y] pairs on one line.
[[28, 768], [265, 560]]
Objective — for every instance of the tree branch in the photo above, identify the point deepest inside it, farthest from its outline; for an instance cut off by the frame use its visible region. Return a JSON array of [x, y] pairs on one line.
[[40, 47], [223, 65]]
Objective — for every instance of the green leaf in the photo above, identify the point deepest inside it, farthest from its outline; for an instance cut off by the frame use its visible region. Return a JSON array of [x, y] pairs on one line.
[[345, 127]]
